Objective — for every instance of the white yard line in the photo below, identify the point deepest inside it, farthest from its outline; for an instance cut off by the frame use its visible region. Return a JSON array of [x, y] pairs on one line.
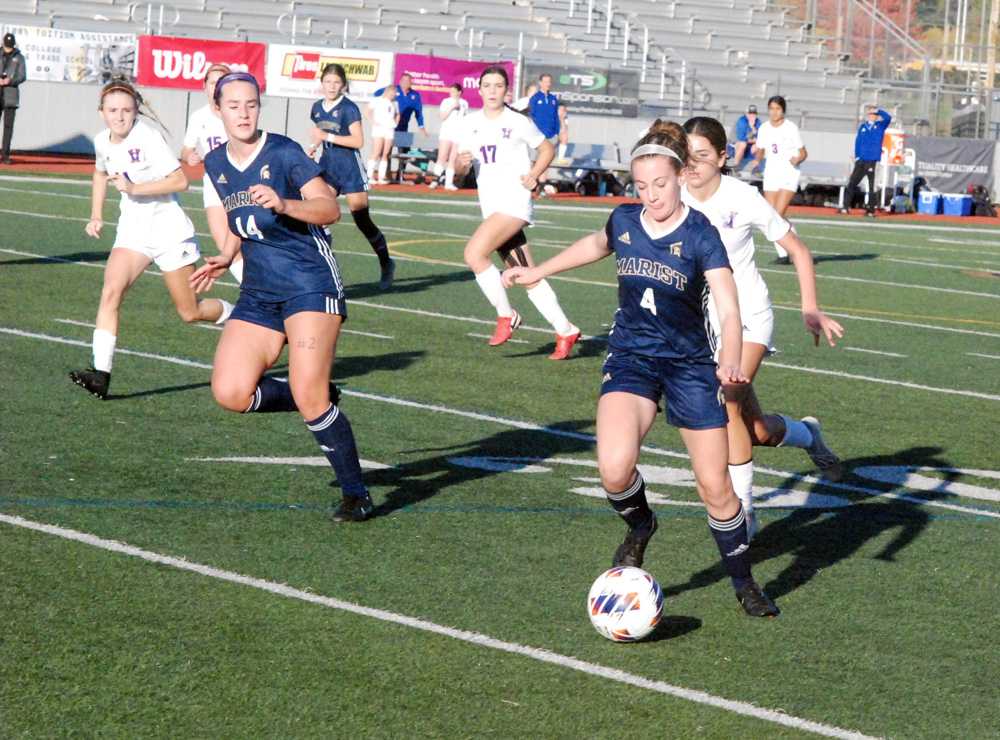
[[488, 336], [531, 426], [988, 357], [874, 352], [474, 638], [886, 283]]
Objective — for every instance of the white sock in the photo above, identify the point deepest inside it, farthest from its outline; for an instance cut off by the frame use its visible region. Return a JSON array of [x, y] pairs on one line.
[[780, 250], [742, 476], [227, 308], [492, 286], [797, 434], [236, 268], [104, 349], [438, 169], [370, 168], [383, 168], [449, 177], [562, 151], [548, 306]]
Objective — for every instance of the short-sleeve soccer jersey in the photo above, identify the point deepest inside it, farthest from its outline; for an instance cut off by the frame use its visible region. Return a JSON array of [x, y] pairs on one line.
[[342, 166], [205, 131], [282, 256], [780, 143], [662, 289]]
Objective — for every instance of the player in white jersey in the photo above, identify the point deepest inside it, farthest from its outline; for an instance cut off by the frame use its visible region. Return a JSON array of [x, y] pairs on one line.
[[736, 209], [498, 139], [453, 109], [384, 112], [152, 227], [780, 144], [204, 133]]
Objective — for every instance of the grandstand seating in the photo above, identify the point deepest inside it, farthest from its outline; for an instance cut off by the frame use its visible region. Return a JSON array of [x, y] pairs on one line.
[[725, 53]]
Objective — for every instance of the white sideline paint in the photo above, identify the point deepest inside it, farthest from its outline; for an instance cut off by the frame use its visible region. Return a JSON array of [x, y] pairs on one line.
[[489, 336], [986, 266], [916, 325], [988, 357], [474, 638], [531, 426], [886, 283], [874, 352]]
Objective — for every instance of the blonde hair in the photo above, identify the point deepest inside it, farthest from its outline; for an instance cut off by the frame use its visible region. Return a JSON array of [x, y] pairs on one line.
[[122, 85]]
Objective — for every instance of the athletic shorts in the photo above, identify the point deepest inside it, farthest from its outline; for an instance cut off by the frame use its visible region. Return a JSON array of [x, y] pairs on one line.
[[344, 172], [451, 131], [780, 176], [383, 132], [758, 328], [693, 393], [167, 259], [515, 201], [272, 314]]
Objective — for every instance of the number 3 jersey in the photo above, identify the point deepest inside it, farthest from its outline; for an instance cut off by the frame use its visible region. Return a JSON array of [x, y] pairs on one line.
[[662, 289], [283, 257]]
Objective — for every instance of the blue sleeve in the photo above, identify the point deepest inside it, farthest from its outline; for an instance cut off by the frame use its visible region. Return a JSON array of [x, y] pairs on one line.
[[314, 112], [608, 231], [301, 169], [712, 253], [378, 92], [742, 126], [352, 114], [885, 119], [418, 107]]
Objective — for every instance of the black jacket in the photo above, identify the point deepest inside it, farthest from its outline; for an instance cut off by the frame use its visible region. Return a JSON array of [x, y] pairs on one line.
[[14, 67]]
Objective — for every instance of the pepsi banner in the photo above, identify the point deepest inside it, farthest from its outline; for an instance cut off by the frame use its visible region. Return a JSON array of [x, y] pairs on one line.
[[590, 90]]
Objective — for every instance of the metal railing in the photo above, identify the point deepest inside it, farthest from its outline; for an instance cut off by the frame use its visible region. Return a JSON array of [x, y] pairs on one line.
[[156, 16]]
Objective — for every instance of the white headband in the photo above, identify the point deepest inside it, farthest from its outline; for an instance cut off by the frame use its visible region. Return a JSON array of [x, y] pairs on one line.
[[647, 149]]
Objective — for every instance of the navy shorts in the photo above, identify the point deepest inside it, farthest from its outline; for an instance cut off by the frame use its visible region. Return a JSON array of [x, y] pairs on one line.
[[692, 390], [272, 314], [344, 172]]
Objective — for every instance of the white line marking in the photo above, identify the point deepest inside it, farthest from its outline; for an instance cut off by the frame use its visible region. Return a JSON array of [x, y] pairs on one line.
[[988, 357], [488, 336], [965, 242], [987, 267], [886, 283], [854, 317], [531, 426], [73, 322], [313, 462], [874, 352], [216, 327], [474, 638]]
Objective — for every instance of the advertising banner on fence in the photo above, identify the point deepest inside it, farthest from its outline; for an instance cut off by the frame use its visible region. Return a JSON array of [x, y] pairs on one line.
[[294, 71], [432, 76], [58, 55], [950, 165], [169, 61], [591, 90]]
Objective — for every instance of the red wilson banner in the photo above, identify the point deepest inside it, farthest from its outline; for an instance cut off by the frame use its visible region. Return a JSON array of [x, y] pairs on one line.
[[169, 61]]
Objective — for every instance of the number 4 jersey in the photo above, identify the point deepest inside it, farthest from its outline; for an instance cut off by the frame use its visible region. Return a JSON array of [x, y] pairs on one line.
[[662, 289], [283, 257]]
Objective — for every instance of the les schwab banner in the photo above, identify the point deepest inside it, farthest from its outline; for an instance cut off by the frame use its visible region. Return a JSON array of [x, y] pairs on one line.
[[293, 71], [168, 61]]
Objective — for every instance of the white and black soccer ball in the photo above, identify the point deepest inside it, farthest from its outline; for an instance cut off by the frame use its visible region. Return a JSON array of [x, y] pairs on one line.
[[625, 604]]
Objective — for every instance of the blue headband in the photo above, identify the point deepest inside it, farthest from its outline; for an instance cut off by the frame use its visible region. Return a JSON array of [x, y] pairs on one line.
[[234, 77]]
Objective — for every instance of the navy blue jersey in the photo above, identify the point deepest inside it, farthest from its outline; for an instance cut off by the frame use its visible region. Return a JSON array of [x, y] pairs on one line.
[[662, 292], [336, 121], [283, 257]]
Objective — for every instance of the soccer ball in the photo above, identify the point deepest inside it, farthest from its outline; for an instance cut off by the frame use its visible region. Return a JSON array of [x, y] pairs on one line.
[[625, 604]]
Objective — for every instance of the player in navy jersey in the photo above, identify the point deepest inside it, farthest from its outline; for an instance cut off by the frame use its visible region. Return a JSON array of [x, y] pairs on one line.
[[668, 256], [277, 204], [337, 128]]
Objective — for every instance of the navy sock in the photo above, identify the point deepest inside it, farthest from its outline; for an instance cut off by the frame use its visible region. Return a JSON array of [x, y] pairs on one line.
[[333, 432], [631, 503], [272, 395], [363, 220], [734, 546]]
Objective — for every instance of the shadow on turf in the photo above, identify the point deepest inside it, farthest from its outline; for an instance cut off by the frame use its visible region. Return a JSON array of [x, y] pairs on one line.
[[817, 258], [173, 388], [417, 481], [59, 259], [594, 347], [820, 538], [404, 285], [673, 626]]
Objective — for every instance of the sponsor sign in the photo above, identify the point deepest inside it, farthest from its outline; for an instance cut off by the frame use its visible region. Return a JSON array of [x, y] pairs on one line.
[[950, 165], [169, 61], [433, 76], [591, 90], [294, 71], [59, 55]]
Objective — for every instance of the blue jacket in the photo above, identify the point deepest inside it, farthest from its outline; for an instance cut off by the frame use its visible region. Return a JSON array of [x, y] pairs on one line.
[[868, 142]]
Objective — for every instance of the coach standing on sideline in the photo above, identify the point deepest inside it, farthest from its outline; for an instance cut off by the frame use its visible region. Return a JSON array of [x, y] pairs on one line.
[[13, 72], [867, 153]]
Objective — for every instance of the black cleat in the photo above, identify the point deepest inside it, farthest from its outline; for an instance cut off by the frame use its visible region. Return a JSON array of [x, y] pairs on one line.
[[354, 509], [782, 261], [387, 275], [95, 381], [755, 602], [633, 549]]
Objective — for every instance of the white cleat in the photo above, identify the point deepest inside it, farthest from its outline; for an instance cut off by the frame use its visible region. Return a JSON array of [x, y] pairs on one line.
[[821, 455]]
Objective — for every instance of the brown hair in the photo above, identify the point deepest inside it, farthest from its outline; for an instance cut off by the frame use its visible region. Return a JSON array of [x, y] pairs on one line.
[[712, 130], [670, 135], [122, 85]]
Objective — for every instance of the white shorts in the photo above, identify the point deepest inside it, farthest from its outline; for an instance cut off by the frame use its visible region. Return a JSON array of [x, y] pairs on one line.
[[451, 132], [780, 176], [168, 258], [383, 132], [758, 328], [518, 205]]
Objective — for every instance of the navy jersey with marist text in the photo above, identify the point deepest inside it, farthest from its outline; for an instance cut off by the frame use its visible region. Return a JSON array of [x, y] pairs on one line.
[[662, 289], [283, 257], [337, 121]]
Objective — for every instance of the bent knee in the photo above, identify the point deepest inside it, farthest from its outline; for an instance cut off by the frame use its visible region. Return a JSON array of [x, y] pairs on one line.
[[189, 315], [231, 397], [616, 475]]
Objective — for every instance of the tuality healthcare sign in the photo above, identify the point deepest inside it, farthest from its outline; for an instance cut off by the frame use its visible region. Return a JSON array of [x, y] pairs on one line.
[[168, 61]]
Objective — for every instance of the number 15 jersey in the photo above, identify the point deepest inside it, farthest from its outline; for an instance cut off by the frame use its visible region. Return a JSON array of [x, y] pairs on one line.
[[283, 257]]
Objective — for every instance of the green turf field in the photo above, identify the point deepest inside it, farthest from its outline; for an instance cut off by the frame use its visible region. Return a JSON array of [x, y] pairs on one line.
[[459, 610]]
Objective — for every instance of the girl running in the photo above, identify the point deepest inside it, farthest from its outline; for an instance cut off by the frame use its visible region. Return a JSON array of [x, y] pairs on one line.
[[135, 159], [337, 129], [204, 133], [780, 143], [735, 209], [666, 256], [497, 138], [277, 204], [384, 112], [453, 109]]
